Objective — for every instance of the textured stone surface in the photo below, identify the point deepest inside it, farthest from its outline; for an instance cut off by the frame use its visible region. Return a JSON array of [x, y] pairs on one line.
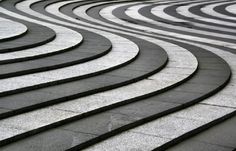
[[11, 29], [63, 35], [231, 9], [106, 84]]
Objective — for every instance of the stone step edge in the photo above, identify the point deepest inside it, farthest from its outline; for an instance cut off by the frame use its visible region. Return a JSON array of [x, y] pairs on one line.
[[96, 111], [19, 48], [194, 132], [39, 56], [42, 69]]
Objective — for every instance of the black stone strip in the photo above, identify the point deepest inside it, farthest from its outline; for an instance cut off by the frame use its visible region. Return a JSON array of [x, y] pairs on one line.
[[94, 46], [120, 11], [10, 5], [15, 36], [36, 35], [222, 9], [189, 88], [206, 89], [59, 92], [172, 11], [55, 92], [196, 10], [34, 87], [146, 11], [82, 54], [192, 91], [195, 132], [40, 7], [95, 127], [136, 109], [97, 16], [94, 12], [172, 142], [220, 137]]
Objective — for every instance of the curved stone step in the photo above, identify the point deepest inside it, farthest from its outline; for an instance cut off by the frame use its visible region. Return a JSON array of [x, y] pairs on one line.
[[37, 80], [127, 94], [32, 38], [180, 14], [83, 53], [91, 129], [138, 69], [10, 29], [159, 104], [231, 9], [220, 137], [208, 11], [93, 46], [133, 12], [183, 14], [165, 129], [213, 101], [206, 41], [161, 62], [167, 83], [191, 11], [83, 69], [81, 12], [149, 15], [106, 12], [161, 24], [200, 10], [222, 9], [54, 46], [187, 28]]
